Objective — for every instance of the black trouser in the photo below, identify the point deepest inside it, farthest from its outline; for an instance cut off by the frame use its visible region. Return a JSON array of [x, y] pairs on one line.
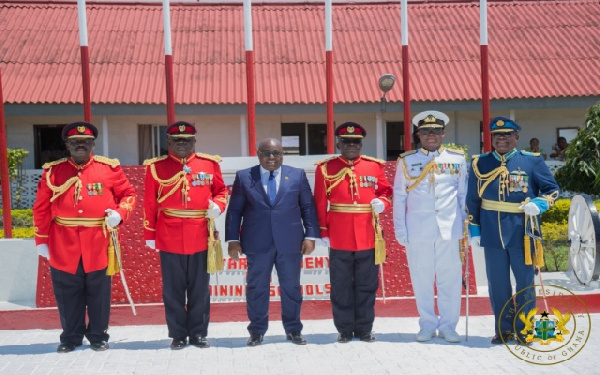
[[185, 276], [354, 283], [73, 294]]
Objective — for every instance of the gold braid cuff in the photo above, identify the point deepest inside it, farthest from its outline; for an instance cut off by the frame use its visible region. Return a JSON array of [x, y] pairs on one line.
[[178, 180], [57, 191]]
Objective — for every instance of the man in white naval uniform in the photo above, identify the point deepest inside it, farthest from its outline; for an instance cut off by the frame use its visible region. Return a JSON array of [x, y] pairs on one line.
[[429, 215]]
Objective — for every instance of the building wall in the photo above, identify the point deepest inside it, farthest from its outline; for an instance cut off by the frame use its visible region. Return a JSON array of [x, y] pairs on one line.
[[222, 134]]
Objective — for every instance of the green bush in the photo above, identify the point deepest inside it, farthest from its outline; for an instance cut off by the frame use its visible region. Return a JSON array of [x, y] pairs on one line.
[[556, 246], [20, 232], [19, 218], [559, 213]]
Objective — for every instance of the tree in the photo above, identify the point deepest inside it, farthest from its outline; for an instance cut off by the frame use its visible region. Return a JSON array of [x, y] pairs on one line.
[[581, 172], [15, 172]]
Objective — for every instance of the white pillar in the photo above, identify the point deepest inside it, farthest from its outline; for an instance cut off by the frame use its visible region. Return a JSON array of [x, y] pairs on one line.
[[379, 136], [512, 114], [244, 135], [104, 136]]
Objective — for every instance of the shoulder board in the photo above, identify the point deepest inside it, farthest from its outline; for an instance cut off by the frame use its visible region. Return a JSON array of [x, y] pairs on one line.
[[529, 153], [325, 160], [105, 160], [481, 155], [154, 160], [380, 161], [408, 153], [51, 163], [215, 158], [455, 151]]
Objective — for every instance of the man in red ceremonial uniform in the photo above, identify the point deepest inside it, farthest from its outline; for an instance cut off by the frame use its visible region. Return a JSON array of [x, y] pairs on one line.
[[183, 190], [77, 198], [354, 187]]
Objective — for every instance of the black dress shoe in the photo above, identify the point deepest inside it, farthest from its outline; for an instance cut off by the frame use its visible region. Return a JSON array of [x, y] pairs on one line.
[[365, 336], [177, 344], [502, 339], [344, 337], [255, 339], [200, 342], [99, 346], [296, 338], [65, 347]]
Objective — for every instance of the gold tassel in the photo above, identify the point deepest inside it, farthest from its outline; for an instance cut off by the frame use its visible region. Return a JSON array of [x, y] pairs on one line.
[[527, 250], [380, 251], [215, 250], [113, 265], [539, 253]]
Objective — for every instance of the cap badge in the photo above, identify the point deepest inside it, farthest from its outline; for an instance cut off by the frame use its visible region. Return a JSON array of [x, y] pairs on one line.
[[350, 129], [430, 119], [500, 123], [81, 129], [181, 128]]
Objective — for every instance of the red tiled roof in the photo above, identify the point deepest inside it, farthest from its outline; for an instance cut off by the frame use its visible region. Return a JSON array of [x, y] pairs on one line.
[[538, 49]]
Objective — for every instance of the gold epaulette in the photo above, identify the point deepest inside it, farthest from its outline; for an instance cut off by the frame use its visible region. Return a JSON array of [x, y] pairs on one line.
[[52, 163], [380, 161], [154, 160], [529, 153], [408, 153], [325, 160], [215, 158], [107, 161], [456, 151]]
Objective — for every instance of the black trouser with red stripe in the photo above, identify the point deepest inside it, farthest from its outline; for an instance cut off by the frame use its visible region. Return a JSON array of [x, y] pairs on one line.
[[75, 292]]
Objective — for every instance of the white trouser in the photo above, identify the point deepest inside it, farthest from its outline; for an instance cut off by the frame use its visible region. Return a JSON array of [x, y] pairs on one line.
[[436, 260]]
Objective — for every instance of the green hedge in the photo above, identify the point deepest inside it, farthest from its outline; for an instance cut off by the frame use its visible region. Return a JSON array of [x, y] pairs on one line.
[[20, 233], [19, 218]]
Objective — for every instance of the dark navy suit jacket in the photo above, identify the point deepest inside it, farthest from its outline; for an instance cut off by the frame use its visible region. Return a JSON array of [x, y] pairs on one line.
[[290, 219]]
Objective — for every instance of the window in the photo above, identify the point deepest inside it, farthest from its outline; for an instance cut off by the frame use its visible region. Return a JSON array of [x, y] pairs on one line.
[[48, 144], [152, 141], [299, 138]]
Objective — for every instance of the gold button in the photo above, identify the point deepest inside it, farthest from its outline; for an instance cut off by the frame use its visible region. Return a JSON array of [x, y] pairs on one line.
[[355, 202], [80, 211]]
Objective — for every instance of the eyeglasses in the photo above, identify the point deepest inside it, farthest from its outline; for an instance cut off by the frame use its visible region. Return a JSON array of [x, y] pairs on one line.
[[268, 153], [349, 141], [436, 131], [505, 135], [85, 141]]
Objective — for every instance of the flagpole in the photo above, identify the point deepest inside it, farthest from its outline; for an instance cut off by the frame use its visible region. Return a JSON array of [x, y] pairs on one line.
[[6, 204], [329, 73], [85, 60], [405, 76], [249, 76], [485, 79], [168, 63]]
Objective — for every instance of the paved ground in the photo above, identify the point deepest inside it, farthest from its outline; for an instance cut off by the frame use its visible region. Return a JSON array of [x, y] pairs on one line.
[[144, 349]]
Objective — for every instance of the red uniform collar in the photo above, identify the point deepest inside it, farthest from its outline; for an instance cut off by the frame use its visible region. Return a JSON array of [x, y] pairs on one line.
[[182, 160], [81, 166], [350, 162]]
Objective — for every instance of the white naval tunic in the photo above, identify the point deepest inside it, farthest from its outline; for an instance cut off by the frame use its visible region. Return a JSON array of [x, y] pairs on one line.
[[429, 214]]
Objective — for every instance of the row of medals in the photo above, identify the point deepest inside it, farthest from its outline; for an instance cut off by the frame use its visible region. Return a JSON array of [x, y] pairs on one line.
[[368, 181], [452, 168], [199, 179]]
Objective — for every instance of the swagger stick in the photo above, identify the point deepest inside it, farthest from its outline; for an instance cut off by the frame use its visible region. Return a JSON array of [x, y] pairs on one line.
[[115, 239], [533, 226], [467, 293]]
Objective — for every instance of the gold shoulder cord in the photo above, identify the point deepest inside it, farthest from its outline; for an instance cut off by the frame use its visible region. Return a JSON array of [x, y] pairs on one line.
[[176, 181], [415, 181], [487, 178], [335, 179], [57, 191]]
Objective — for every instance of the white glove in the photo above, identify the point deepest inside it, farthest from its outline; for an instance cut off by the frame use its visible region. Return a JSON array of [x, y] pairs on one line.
[[475, 241], [378, 205], [42, 250], [213, 211], [114, 218], [530, 209], [151, 244], [323, 242]]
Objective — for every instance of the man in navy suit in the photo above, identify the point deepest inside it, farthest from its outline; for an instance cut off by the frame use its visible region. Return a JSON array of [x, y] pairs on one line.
[[274, 206]]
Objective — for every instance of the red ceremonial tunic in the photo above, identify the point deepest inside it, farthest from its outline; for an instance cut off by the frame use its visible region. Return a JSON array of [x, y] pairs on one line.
[[204, 181], [103, 185], [358, 182]]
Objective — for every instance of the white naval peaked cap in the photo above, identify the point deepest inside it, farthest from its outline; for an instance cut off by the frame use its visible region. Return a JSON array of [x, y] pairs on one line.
[[431, 118]]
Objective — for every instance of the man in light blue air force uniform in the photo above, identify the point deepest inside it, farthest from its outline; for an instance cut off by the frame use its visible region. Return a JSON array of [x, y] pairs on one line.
[[429, 215], [505, 185]]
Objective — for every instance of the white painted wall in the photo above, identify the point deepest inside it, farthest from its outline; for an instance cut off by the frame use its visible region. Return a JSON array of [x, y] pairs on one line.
[[18, 270]]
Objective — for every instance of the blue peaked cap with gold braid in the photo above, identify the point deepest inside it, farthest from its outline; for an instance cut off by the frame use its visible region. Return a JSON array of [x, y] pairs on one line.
[[502, 124]]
